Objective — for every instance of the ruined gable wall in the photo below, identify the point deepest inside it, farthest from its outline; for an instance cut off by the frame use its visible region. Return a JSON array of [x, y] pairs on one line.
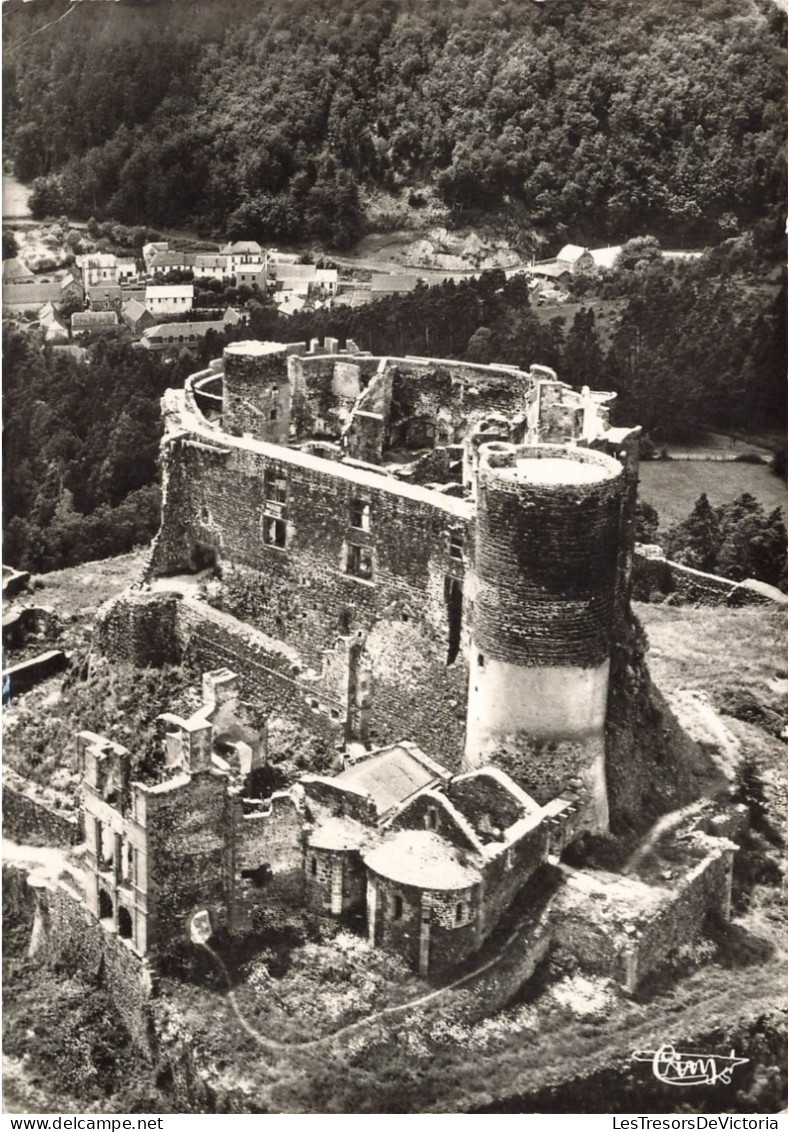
[[272, 837]]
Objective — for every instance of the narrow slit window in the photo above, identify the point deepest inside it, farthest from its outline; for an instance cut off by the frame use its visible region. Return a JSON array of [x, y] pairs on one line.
[[398, 907], [456, 542]]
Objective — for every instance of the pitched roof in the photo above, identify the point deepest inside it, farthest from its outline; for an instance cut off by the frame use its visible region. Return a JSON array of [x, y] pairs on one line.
[[569, 253], [551, 270], [158, 260], [211, 261], [134, 310], [87, 320], [30, 294], [176, 330], [111, 291], [295, 271], [242, 247], [605, 257], [251, 268], [390, 776], [16, 269]]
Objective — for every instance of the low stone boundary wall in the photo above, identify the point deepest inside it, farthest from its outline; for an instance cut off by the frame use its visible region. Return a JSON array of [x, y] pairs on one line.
[[32, 821], [656, 577]]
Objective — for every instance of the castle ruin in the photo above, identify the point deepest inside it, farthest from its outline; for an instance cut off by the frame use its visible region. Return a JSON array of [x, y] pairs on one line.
[[426, 564]]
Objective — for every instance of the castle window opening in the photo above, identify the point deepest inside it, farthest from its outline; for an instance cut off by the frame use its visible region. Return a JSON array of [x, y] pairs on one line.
[[432, 818], [275, 532], [359, 561], [359, 514], [105, 909], [455, 545], [273, 414], [276, 489], [313, 866], [125, 927], [398, 908], [460, 913], [480, 660]]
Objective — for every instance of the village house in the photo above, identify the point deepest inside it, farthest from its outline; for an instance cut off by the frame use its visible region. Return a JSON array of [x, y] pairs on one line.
[[173, 334], [241, 253], [160, 263], [136, 315], [251, 275], [152, 249], [169, 298], [93, 322], [104, 297], [211, 267]]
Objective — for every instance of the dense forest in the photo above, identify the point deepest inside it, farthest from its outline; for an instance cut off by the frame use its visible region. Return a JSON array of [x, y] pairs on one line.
[[683, 341], [268, 118]]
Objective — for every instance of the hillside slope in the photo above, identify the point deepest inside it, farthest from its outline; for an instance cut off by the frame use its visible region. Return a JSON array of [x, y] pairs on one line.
[[264, 118]]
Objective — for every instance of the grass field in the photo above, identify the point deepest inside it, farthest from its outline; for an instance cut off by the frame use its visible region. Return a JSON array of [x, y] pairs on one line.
[[672, 486]]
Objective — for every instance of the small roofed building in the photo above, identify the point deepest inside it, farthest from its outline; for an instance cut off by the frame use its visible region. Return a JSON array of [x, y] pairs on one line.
[[72, 289], [211, 267], [93, 322], [171, 335], [295, 277], [50, 323], [136, 315], [575, 259], [104, 297], [16, 271], [169, 298], [393, 284], [327, 279], [170, 260], [98, 267], [605, 258], [128, 271], [152, 249], [251, 275], [551, 271]]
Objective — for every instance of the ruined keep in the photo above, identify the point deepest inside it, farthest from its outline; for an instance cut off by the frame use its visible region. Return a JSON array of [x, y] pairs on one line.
[[443, 550], [423, 564]]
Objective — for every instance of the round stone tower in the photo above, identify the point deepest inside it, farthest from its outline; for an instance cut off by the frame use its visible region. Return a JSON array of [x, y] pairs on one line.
[[257, 391], [548, 527]]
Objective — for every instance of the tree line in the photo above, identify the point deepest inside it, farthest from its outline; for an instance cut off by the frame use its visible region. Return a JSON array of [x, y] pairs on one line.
[[269, 119]]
